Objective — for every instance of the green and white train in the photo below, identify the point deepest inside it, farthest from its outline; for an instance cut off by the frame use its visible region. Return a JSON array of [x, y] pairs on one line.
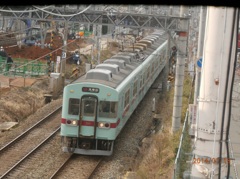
[[97, 106]]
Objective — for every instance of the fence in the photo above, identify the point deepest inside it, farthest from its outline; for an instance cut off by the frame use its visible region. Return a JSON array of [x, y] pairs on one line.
[[23, 67], [183, 159], [182, 165]]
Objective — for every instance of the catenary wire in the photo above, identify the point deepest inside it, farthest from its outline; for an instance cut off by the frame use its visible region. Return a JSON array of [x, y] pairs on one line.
[[236, 22], [2, 10], [61, 15], [225, 100]]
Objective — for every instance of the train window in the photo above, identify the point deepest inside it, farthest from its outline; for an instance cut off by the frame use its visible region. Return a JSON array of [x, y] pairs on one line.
[[88, 106], [108, 109], [148, 72], [135, 88], [145, 77], [74, 105], [126, 101]]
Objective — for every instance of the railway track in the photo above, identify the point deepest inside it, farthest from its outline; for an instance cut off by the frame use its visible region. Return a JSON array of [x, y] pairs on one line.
[[59, 164], [20, 148], [84, 167], [29, 155], [20, 155]]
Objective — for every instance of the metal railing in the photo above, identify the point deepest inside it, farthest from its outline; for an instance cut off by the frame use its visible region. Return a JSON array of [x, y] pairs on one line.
[[23, 67]]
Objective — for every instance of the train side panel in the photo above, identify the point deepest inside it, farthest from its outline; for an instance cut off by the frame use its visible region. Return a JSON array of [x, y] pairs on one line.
[[137, 84]]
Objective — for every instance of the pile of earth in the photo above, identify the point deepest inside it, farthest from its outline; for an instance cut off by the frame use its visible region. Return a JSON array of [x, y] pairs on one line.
[[37, 52]]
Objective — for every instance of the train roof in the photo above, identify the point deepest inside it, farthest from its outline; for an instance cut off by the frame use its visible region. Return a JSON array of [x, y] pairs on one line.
[[120, 63], [125, 69], [126, 58], [152, 40], [127, 53], [112, 67], [101, 74]]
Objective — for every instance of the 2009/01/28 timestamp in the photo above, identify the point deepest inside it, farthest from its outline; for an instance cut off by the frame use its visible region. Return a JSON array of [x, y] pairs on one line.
[[210, 160]]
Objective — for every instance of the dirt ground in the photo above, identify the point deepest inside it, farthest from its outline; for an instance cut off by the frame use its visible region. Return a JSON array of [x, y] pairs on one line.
[[35, 52]]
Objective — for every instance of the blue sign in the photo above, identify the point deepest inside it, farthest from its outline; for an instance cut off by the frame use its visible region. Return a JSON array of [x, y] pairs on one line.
[[199, 63]]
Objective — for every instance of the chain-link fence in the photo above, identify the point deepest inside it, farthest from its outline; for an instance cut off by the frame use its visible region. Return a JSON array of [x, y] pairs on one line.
[[183, 159]]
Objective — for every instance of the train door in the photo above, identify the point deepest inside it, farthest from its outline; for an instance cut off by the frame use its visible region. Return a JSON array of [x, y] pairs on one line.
[[88, 117]]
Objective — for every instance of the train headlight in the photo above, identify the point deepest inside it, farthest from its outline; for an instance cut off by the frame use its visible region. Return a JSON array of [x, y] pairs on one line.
[[72, 122], [105, 125]]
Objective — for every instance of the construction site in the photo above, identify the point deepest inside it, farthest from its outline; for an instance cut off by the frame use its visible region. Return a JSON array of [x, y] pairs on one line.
[[36, 64]]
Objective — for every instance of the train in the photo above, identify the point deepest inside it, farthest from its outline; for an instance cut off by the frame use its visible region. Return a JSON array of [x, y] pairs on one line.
[[97, 106]]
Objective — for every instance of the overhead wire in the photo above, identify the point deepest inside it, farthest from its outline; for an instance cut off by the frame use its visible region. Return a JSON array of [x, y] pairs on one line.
[[43, 9], [2, 10], [225, 100], [61, 15], [236, 22]]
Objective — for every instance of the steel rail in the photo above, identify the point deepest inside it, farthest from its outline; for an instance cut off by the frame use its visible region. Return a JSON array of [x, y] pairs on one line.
[[31, 152], [28, 130]]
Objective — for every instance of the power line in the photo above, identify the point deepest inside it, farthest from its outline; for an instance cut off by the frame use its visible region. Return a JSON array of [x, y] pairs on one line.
[[2, 10], [61, 15]]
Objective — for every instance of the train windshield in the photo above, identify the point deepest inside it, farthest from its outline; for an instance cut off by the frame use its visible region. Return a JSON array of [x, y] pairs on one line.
[[89, 106], [74, 106], [108, 109]]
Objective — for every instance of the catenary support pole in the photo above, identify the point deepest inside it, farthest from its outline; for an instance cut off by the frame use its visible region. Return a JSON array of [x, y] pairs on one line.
[[177, 104], [179, 78], [64, 54], [99, 34]]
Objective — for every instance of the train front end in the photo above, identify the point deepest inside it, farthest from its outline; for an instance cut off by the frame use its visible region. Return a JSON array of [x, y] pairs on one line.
[[89, 123]]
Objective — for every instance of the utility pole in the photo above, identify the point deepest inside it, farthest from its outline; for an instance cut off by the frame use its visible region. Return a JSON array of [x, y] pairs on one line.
[[210, 154], [99, 34], [179, 76], [64, 53]]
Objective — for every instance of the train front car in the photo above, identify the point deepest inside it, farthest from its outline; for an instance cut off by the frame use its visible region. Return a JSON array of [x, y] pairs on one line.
[[89, 119], [97, 106]]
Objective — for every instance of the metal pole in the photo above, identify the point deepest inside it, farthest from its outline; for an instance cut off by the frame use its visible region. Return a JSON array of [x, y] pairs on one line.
[[214, 96], [99, 34], [64, 54], [177, 105]]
